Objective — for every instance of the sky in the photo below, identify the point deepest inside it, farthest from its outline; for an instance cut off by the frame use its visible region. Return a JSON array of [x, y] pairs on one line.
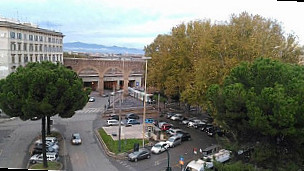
[[136, 23]]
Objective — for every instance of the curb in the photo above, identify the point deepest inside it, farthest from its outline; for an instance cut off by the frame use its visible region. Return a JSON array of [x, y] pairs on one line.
[[106, 150]]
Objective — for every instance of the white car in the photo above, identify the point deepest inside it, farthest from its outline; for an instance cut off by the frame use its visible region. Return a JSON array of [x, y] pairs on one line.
[[113, 122], [194, 122], [38, 158], [176, 117], [91, 99], [159, 147], [172, 132]]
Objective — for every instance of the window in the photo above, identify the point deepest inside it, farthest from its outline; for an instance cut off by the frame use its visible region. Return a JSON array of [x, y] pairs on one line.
[[19, 58], [40, 48], [45, 48], [45, 57], [13, 46], [19, 46], [36, 58], [31, 48], [13, 58], [40, 38], [12, 34], [36, 47], [49, 40], [41, 57], [31, 58], [19, 36], [36, 38], [25, 58], [53, 60], [25, 46], [31, 37]]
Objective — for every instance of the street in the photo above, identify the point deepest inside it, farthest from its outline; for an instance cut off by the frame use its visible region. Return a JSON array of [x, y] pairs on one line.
[[17, 136]]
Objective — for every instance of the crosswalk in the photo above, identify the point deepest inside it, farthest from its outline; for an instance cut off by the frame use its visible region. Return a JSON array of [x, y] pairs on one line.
[[90, 110]]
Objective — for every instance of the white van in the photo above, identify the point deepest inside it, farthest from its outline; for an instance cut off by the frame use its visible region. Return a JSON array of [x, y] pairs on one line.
[[198, 165]]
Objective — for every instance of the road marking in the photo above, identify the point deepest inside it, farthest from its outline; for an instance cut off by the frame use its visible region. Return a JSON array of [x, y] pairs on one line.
[[0, 152]]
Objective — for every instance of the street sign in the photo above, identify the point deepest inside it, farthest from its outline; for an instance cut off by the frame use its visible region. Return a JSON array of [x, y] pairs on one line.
[[181, 160]]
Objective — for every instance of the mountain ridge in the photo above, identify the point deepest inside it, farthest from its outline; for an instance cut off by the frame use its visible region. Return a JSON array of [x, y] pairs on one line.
[[97, 48]]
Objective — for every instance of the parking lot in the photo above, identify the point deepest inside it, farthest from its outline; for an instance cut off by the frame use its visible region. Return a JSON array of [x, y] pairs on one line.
[[199, 140]]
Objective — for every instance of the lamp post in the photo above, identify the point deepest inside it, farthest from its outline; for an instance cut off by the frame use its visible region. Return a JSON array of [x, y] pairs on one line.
[[120, 101], [145, 96]]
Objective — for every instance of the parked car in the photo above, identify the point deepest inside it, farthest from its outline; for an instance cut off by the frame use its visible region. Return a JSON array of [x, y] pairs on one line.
[[114, 116], [48, 144], [76, 139], [38, 158], [176, 117], [185, 136], [105, 95], [172, 132], [211, 131], [149, 120], [166, 127], [142, 153], [113, 122], [48, 139], [207, 125], [92, 99], [186, 121], [132, 122], [132, 116], [159, 147], [194, 122], [38, 150], [35, 118], [169, 115], [174, 141], [160, 124]]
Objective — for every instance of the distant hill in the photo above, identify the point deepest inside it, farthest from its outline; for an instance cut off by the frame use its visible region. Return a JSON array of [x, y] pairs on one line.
[[95, 48]]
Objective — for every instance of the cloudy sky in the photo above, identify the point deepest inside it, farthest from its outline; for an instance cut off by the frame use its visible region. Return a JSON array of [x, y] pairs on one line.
[[136, 23]]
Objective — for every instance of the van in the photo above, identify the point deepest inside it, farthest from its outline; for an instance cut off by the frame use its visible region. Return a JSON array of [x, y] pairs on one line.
[[210, 150], [174, 140]]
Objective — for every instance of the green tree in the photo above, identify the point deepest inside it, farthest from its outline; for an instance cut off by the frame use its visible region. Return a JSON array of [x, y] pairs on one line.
[[42, 90], [198, 54], [263, 102]]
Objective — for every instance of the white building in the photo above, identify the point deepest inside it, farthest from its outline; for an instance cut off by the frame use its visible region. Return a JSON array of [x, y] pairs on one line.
[[21, 43]]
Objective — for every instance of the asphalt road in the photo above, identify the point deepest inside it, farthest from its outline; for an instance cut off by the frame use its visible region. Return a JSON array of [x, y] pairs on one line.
[[160, 161]]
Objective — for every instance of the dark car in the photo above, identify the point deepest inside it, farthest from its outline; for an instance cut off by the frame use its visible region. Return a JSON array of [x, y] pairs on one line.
[[139, 155], [185, 136], [132, 116], [207, 125], [116, 117], [211, 131], [38, 150]]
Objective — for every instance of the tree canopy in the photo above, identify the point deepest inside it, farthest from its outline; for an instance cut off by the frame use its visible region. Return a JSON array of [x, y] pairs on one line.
[[42, 89], [197, 54], [261, 104]]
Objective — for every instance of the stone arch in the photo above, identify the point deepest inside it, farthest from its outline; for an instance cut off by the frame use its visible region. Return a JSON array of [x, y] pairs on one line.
[[96, 83]]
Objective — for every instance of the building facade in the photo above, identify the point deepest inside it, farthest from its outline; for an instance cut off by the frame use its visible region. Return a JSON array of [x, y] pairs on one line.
[[21, 43]]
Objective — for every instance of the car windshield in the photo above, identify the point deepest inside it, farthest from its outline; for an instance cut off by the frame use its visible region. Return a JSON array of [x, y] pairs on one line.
[[76, 136], [171, 139], [157, 145]]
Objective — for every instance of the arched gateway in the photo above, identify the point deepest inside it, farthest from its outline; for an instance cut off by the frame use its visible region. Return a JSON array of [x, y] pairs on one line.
[[99, 68]]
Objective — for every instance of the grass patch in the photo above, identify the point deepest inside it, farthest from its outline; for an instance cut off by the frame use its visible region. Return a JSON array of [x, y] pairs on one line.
[[51, 166], [126, 144]]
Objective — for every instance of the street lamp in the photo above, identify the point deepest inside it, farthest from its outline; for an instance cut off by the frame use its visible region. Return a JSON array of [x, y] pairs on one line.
[[145, 96]]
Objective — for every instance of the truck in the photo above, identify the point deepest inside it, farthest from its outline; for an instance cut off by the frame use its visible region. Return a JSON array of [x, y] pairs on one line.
[[207, 161]]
